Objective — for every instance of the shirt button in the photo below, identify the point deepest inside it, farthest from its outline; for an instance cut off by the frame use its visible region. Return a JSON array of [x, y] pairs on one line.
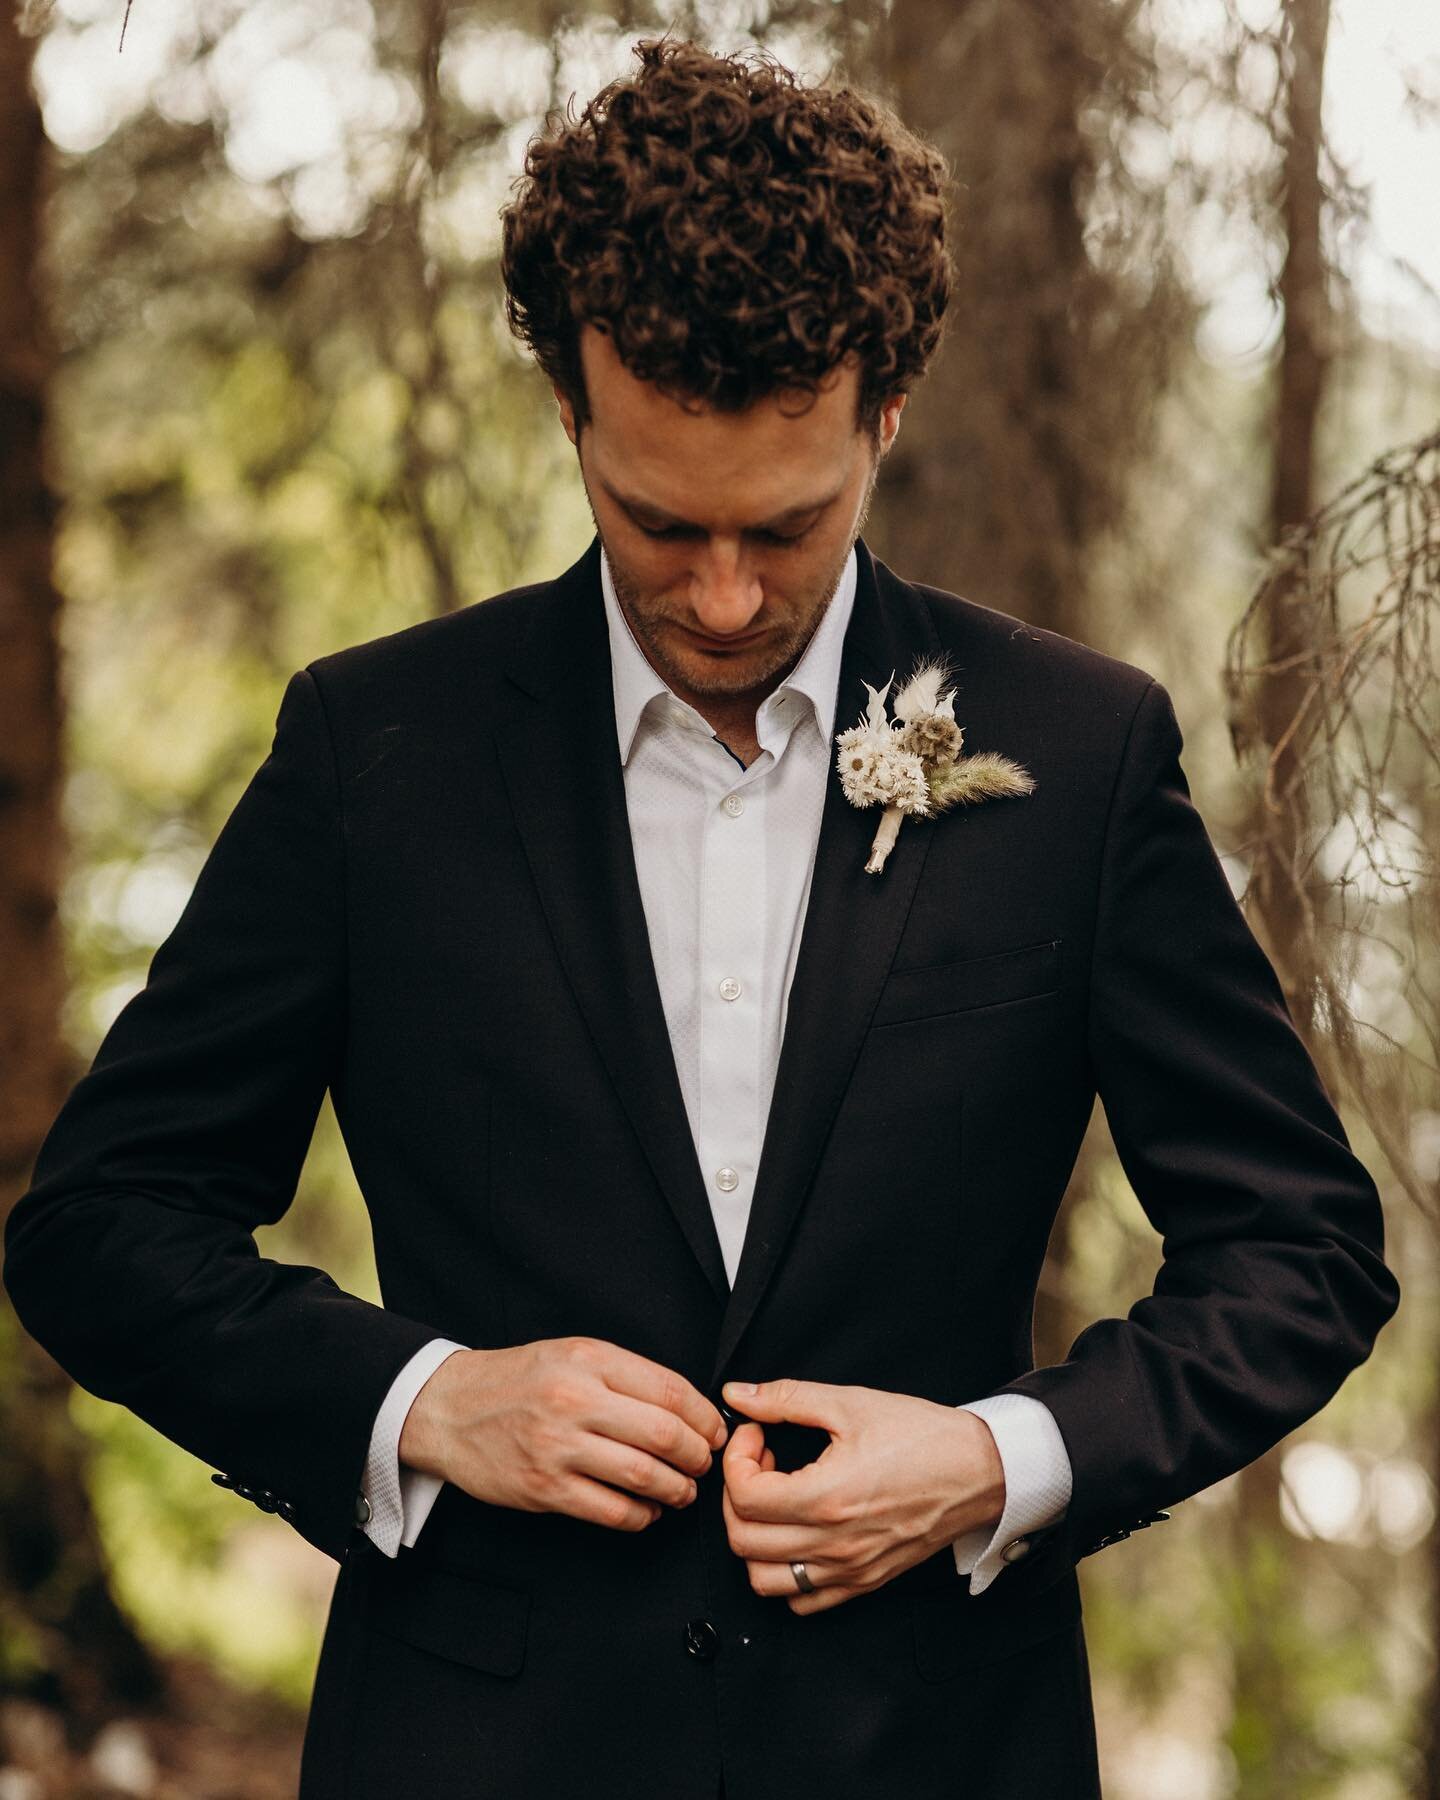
[[729, 988], [1013, 1552], [734, 804], [701, 1638], [726, 1178]]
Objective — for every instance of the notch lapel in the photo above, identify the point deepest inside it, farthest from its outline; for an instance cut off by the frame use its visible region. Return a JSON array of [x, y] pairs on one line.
[[852, 928], [560, 758]]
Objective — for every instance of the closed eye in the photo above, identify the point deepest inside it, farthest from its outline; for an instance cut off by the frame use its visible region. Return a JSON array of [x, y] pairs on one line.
[[672, 533]]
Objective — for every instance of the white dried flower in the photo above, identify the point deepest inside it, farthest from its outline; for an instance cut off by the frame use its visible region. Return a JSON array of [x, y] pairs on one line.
[[875, 716], [922, 694], [857, 761]]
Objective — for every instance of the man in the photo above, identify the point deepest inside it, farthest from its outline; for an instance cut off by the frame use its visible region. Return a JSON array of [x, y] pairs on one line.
[[697, 1447]]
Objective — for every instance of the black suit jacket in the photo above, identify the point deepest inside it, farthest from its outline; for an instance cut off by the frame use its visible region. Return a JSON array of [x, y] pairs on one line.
[[426, 899]]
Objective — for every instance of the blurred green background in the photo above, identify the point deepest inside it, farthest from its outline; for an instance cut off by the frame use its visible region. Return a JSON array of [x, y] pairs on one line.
[[258, 401]]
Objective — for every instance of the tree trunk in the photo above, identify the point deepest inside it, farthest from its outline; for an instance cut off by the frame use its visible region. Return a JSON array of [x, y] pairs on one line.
[[994, 487], [1273, 1742], [1281, 896], [68, 1643]]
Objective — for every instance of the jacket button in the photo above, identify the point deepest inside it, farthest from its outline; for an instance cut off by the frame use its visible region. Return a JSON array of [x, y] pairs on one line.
[[702, 1639], [362, 1510]]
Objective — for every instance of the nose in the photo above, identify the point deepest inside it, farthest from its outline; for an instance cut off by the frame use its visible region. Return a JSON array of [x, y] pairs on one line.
[[725, 594]]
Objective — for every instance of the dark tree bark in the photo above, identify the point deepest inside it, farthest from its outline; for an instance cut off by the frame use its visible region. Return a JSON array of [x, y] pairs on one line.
[[1009, 461], [1281, 896], [53, 1584], [1282, 890]]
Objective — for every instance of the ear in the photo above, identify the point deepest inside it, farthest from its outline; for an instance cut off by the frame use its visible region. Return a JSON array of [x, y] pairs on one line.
[[567, 414], [890, 420]]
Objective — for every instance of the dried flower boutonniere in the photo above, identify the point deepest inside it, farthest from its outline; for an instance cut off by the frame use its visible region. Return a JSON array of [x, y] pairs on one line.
[[912, 764]]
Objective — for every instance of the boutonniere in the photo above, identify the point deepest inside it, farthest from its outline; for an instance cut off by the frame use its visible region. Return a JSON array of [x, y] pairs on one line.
[[912, 763]]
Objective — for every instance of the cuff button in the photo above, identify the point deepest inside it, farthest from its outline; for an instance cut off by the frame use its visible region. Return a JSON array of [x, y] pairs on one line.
[[362, 1510], [1012, 1553]]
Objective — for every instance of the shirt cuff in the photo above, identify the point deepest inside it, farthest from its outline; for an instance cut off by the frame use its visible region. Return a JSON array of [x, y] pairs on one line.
[[399, 1500], [1037, 1484]]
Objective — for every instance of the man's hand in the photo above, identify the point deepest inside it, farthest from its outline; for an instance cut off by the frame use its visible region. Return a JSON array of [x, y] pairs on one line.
[[900, 1478], [570, 1425]]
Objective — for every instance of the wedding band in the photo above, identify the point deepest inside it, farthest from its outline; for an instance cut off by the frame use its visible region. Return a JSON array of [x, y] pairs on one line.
[[802, 1580]]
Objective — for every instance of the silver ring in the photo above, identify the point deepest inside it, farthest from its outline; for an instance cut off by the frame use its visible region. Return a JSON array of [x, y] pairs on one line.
[[802, 1580]]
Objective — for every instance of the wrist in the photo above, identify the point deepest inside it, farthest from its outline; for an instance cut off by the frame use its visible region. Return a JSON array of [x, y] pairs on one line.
[[980, 1488], [428, 1425]]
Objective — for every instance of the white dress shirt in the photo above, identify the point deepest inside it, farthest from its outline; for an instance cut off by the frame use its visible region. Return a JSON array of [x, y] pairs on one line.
[[724, 856]]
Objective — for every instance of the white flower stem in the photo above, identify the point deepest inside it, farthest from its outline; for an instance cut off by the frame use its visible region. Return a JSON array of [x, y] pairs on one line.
[[885, 836]]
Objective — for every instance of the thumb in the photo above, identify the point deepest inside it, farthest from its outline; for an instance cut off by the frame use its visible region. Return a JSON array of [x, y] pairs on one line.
[[800, 1402]]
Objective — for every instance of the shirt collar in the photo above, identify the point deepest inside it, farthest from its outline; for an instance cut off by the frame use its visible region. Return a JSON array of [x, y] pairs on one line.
[[815, 677]]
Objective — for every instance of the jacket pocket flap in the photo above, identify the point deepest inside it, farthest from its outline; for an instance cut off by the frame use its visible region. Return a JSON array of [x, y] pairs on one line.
[[957, 1632], [977, 981], [480, 1623]]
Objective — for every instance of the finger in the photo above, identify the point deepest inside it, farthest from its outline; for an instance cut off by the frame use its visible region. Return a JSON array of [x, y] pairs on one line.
[[747, 1445], [597, 1504], [824, 1598], [663, 1434], [635, 1471], [768, 1494], [776, 1580], [800, 1402], [769, 1543], [642, 1379]]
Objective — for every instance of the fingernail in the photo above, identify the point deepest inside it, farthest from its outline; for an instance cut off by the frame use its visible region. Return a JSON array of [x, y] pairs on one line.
[[741, 1387], [720, 1435]]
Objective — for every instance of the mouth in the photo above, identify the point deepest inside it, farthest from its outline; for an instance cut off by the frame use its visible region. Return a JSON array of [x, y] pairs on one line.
[[719, 646]]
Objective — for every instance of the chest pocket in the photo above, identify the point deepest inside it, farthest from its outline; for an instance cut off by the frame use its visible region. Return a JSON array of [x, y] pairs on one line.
[[995, 980]]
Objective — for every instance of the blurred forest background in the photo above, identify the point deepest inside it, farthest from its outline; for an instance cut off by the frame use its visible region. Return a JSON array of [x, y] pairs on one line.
[[257, 402]]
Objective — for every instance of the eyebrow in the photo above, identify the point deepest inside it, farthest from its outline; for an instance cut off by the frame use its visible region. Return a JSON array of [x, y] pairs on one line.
[[635, 505]]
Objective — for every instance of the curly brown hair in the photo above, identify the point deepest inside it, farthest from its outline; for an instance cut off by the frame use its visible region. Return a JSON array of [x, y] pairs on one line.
[[733, 230]]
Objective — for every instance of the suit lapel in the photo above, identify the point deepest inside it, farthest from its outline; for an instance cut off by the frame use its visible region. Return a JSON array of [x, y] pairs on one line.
[[561, 761], [852, 927]]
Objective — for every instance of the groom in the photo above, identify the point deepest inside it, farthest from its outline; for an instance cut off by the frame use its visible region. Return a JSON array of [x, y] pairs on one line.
[[710, 1176]]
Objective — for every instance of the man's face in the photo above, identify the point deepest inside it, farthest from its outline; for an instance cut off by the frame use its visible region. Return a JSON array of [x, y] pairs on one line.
[[727, 533]]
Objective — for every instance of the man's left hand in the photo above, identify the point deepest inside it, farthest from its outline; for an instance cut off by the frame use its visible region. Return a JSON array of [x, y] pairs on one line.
[[900, 1478]]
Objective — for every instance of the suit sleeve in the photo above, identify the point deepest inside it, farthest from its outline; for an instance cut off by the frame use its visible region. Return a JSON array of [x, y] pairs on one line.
[[131, 1258], [1273, 1286]]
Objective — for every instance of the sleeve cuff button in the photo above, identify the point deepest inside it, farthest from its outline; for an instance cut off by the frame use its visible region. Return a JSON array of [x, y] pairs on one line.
[[1012, 1553], [362, 1510]]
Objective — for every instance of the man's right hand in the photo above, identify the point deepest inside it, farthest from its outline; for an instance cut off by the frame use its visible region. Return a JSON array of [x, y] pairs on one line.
[[570, 1425]]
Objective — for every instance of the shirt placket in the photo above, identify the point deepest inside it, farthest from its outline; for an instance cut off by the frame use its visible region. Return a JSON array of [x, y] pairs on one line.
[[731, 975]]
